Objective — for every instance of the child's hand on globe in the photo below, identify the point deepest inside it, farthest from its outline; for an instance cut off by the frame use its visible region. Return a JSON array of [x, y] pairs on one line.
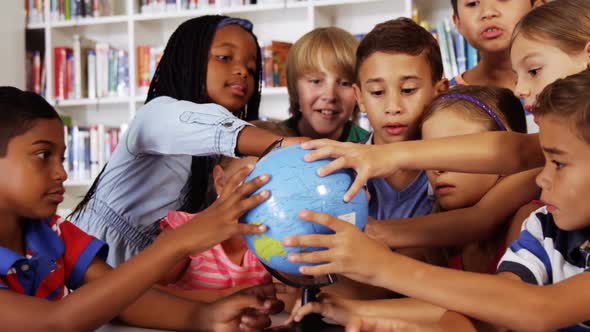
[[220, 220], [368, 161], [348, 252]]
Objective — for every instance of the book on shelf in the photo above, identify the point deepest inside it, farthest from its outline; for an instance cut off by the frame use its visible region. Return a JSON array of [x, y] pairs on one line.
[[34, 11], [274, 60], [148, 58], [457, 54], [35, 72], [88, 149], [90, 70]]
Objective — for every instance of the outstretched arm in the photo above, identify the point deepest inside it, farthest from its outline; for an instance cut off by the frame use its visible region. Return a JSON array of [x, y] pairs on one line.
[[450, 322], [106, 293], [503, 301], [476, 153], [340, 309], [468, 224]]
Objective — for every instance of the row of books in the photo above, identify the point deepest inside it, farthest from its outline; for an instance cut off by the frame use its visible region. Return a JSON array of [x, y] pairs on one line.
[[273, 64], [158, 6], [60, 10], [35, 72], [88, 149], [457, 55], [148, 58], [90, 70]]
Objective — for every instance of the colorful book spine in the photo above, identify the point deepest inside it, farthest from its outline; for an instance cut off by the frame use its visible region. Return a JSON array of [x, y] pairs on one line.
[[91, 73], [460, 52], [444, 52]]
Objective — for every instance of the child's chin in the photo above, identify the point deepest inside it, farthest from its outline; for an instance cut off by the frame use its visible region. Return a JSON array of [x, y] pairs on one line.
[[45, 212]]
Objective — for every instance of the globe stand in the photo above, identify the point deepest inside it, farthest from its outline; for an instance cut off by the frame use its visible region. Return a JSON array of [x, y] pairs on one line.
[[310, 289]]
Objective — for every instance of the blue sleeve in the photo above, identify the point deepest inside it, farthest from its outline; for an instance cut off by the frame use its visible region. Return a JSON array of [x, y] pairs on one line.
[[175, 127], [95, 248]]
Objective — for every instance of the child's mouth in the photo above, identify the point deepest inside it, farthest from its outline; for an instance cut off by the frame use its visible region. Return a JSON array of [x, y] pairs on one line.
[[238, 89], [491, 32], [327, 114], [395, 129], [444, 189]]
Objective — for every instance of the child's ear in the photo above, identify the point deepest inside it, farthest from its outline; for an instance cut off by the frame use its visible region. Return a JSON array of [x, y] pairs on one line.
[[218, 178], [587, 51], [358, 97], [441, 86], [457, 22]]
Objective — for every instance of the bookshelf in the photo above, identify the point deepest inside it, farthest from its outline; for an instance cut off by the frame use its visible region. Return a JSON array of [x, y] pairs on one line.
[[128, 27]]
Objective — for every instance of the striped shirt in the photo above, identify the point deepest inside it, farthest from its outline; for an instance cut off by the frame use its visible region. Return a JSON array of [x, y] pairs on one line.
[[543, 254], [213, 269]]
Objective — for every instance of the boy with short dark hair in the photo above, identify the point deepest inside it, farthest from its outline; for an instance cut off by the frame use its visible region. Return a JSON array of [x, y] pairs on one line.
[[44, 257], [398, 72]]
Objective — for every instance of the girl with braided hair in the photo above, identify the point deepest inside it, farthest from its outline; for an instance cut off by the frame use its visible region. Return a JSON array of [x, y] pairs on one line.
[[206, 86]]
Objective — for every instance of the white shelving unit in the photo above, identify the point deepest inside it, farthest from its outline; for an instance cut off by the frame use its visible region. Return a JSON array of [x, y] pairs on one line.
[[273, 20]]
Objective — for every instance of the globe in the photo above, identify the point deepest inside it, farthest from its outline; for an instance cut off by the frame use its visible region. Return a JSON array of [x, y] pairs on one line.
[[294, 185]]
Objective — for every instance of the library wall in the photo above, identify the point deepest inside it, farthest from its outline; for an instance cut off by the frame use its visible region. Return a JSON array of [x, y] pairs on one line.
[[12, 35]]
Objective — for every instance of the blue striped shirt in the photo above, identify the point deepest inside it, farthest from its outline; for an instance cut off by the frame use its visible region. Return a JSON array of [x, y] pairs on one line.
[[544, 254]]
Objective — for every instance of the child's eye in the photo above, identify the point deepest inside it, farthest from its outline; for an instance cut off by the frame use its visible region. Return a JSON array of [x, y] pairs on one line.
[[558, 165], [314, 81], [472, 4], [408, 91], [43, 155], [377, 93], [533, 72], [223, 58], [346, 84]]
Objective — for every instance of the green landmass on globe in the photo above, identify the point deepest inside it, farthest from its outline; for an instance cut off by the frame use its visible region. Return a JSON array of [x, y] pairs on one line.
[[266, 246]]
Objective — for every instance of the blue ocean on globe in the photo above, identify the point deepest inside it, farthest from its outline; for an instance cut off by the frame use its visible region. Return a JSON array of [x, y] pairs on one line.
[[294, 185]]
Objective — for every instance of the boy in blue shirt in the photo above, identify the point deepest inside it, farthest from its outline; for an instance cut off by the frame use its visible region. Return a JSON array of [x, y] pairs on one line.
[[398, 72], [45, 257]]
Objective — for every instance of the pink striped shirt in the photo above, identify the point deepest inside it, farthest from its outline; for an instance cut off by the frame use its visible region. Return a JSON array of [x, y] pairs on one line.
[[213, 269]]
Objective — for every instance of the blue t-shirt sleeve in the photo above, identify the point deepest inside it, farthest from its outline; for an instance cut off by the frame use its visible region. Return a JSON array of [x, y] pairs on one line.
[[95, 248], [79, 252]]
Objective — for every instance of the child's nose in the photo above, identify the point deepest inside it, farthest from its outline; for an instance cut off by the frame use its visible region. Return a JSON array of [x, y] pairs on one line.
[[520, 90], [329, 92], [488, 10], [393, 106], [241, 70], [61, 173], [543, 179]]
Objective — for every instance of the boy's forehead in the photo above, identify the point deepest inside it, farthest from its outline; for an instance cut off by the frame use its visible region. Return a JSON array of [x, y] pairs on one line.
[[323, 64], [557, 133], [42, 130], [395, 66]]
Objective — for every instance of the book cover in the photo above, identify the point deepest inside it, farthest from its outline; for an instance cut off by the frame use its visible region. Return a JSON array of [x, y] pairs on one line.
[[280, 50]]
